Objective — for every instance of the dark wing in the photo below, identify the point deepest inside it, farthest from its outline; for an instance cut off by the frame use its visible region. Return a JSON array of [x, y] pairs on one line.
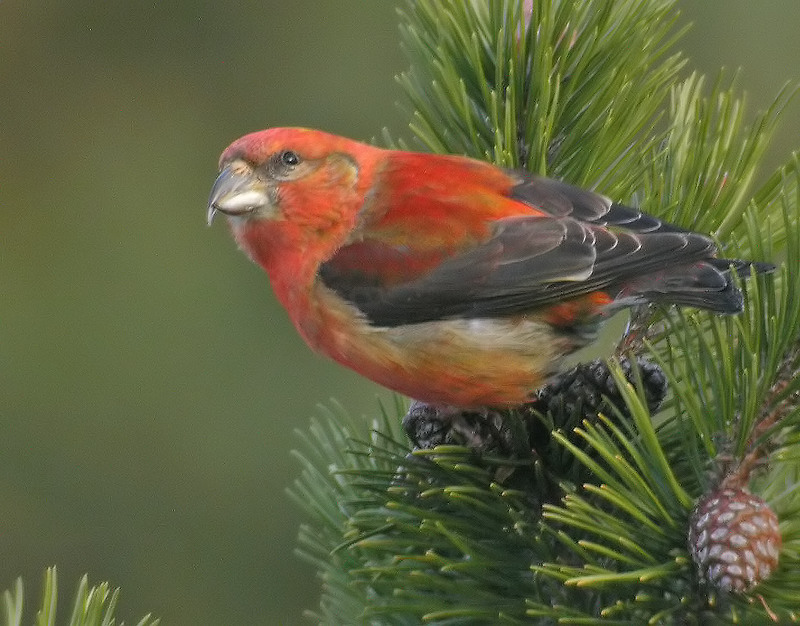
[[559, 199], [526, 263]]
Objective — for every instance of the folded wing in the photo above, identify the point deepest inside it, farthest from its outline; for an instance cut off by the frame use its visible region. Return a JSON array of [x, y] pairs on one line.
[[545, 242]]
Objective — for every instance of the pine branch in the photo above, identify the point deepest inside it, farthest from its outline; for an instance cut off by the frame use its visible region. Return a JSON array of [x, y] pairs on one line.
[[576, 97], [93, 606], [582, 512]]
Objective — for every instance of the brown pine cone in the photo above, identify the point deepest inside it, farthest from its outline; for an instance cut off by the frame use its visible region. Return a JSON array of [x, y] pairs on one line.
[[734, 539]]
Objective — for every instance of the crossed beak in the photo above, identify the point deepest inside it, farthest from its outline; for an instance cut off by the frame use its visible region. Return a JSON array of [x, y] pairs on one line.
[[237, 192]]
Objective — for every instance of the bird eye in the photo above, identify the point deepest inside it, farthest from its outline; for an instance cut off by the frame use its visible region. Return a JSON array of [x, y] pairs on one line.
[[290, 158]]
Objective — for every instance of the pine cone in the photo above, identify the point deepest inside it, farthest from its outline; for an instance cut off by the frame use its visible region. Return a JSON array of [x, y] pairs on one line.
[[428, 426], [584, 391], [734, 539], [580, 391]]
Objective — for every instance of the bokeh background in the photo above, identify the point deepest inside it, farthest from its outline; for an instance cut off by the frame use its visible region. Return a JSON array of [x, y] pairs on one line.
[[149, 383]]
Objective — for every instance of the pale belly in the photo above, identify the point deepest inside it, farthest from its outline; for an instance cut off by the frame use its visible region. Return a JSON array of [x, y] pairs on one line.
[[461, 362]]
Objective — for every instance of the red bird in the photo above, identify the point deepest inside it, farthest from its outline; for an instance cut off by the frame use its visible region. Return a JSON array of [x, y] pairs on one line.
[[447, 279]]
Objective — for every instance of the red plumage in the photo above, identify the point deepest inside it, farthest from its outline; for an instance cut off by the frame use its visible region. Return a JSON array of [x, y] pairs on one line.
[[445, 278]]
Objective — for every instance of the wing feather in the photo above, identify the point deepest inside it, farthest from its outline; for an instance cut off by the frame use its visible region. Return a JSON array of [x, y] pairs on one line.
[[560, 199], [543, 243]]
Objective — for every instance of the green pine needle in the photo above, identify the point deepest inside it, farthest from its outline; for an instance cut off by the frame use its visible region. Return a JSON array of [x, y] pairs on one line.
[[586, 93], [93, 606]]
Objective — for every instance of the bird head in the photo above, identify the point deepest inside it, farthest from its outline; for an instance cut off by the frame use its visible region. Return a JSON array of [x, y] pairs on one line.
[[286, 174]]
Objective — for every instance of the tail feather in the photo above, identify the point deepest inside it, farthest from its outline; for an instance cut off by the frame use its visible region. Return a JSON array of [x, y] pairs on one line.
[[742, 268], [706, 285]]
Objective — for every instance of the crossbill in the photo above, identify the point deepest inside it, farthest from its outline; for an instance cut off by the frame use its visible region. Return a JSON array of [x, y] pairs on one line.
[[444, 278]]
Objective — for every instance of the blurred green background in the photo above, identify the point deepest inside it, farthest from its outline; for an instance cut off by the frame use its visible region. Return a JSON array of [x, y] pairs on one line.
[[149, 383]]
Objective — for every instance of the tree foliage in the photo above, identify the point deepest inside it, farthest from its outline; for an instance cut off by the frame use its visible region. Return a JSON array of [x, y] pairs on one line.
[[92, 606], [595, 93]]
